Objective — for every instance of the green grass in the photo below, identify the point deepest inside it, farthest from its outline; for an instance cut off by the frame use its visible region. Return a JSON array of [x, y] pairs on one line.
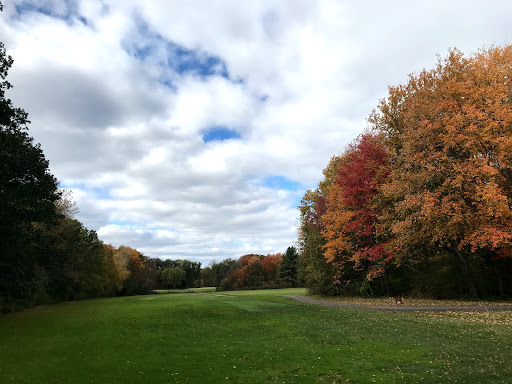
[[189, 290], [248, 337]]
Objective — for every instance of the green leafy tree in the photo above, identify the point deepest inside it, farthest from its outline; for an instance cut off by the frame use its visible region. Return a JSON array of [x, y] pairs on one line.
[[74, 259], [191, 268], [27, 193], [222, 268], [173, 277], [288, 268], [208, 278], [193, 273]]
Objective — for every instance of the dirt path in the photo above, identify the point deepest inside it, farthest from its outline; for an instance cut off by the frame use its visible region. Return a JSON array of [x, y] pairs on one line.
[[406, 308]]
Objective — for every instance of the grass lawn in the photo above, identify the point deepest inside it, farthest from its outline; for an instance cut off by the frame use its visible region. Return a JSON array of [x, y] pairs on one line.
[[249, 337], [189, 290]]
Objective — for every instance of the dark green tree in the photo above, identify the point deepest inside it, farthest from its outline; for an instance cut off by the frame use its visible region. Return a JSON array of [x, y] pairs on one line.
[[27, 194], [191, 268], [208, 277], [221, 269], [193, 273], [288, 268], [173, 277], [75, 261]]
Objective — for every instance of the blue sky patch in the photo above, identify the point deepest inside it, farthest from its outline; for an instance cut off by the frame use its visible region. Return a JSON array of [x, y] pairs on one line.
[[147, 44], [102, 193], [185, 61], [70, 15], [281, 182], [296, 190], [97, 192], [219, 134]]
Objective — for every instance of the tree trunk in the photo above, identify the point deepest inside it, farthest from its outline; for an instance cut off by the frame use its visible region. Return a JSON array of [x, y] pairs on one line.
[[386, 281], [499, 277], [466, 271]]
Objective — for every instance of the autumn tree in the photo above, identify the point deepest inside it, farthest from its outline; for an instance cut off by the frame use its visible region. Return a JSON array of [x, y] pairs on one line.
[[251, 271], [220, 270], [449, 188], [318, 274], [270, 266], [130, 262], [113, 280], [351, 212], [121, 260]]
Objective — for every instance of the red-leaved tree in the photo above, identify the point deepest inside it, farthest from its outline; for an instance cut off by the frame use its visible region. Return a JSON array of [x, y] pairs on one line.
[[351, 213]]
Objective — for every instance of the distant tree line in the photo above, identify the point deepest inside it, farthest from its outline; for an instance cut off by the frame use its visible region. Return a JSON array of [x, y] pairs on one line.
[[421, 204], [255, 272]]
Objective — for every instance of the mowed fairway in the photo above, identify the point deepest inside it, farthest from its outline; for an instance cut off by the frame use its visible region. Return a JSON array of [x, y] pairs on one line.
[[248, 337]]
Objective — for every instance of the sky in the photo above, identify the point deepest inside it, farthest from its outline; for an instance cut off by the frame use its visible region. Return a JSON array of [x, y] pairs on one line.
[[191, 129]]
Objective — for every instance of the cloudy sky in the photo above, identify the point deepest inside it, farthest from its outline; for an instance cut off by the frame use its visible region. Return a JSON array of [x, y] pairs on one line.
[[191, 129]]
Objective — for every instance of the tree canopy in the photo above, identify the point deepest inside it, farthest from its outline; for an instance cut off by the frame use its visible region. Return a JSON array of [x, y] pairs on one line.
[[28, 192], [428, 189]]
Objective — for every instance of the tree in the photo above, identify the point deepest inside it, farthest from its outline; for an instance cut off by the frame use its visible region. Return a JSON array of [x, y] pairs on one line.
[[191, 268], [318, 274], [27, 193], [221, 269], [208, 277], [150, 275], [450, 131], [173, 277], [351, 213], [270, 267], [288, 268], [113, 282], [74, 260], [250, 271], [122, 263], [193, 273]]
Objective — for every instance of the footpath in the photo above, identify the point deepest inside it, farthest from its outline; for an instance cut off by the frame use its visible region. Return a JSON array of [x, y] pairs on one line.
[[405, 308]]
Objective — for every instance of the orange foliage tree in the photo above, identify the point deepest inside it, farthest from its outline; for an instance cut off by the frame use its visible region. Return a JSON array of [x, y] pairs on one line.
[[252, 271], [450, 132], [318, 274], [269, 266]]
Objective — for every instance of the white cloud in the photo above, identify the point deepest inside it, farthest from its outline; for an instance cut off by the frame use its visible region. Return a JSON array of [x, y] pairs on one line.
[[125, 132]]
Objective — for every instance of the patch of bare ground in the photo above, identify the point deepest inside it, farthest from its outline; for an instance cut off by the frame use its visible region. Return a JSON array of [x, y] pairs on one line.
[[420, 305], [412, 302]]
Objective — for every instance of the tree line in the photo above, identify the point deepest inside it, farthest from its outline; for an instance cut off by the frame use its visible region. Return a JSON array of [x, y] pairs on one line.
[[255, 272], [420, 204]]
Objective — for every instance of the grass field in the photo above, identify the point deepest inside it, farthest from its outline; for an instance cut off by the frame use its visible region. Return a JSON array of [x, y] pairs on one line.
[[190, 290], [249, 337]]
